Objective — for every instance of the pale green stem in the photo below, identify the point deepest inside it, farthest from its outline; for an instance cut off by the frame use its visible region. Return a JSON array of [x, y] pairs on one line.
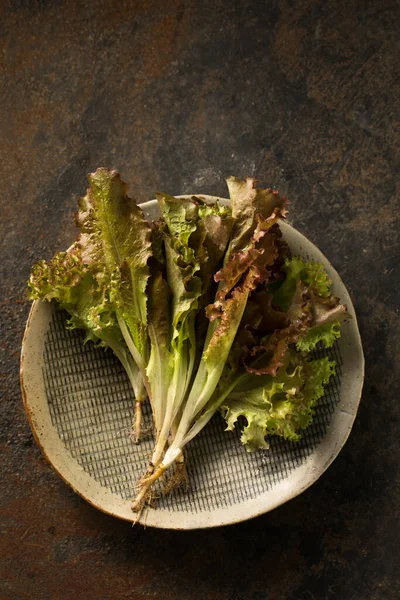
[[174, 400], [135, 353], [204, 386], [130, 343], [202, 421]]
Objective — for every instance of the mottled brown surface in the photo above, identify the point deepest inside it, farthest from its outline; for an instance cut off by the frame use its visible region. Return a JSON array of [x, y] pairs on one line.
[[178, 94]]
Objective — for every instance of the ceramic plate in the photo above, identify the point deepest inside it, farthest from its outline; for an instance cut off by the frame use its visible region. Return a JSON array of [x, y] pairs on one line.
[[80, 407]]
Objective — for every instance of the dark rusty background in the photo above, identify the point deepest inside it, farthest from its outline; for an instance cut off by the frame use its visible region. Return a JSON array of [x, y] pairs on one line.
[[176, 95]]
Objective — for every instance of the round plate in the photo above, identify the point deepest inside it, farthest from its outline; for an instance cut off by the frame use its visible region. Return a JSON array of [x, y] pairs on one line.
[[80, 407]]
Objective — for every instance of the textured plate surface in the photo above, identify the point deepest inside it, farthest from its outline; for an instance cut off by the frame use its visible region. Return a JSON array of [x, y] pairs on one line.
[[80, 406]]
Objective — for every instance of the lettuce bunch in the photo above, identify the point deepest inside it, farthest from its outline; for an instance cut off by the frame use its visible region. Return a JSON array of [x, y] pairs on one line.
[[205, 308]]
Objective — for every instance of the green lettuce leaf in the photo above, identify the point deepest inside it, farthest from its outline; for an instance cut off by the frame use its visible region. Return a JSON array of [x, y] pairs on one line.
[[160, 367], [101, 280], [121, 238], [283, 405], [79, 290], [327, 334], [84, 295], [194, 237], [182, 263]]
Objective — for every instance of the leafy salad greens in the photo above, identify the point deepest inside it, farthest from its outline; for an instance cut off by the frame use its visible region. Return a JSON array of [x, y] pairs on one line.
[[205, 308]]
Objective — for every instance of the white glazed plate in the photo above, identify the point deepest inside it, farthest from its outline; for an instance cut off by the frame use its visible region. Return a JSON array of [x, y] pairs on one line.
[[80, 407]]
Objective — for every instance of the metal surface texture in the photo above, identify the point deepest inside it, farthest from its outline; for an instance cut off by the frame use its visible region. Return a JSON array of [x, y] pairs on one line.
[[177, 95]]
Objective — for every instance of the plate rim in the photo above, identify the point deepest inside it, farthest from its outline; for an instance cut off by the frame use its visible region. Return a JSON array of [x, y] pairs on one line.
[[202, 520]]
